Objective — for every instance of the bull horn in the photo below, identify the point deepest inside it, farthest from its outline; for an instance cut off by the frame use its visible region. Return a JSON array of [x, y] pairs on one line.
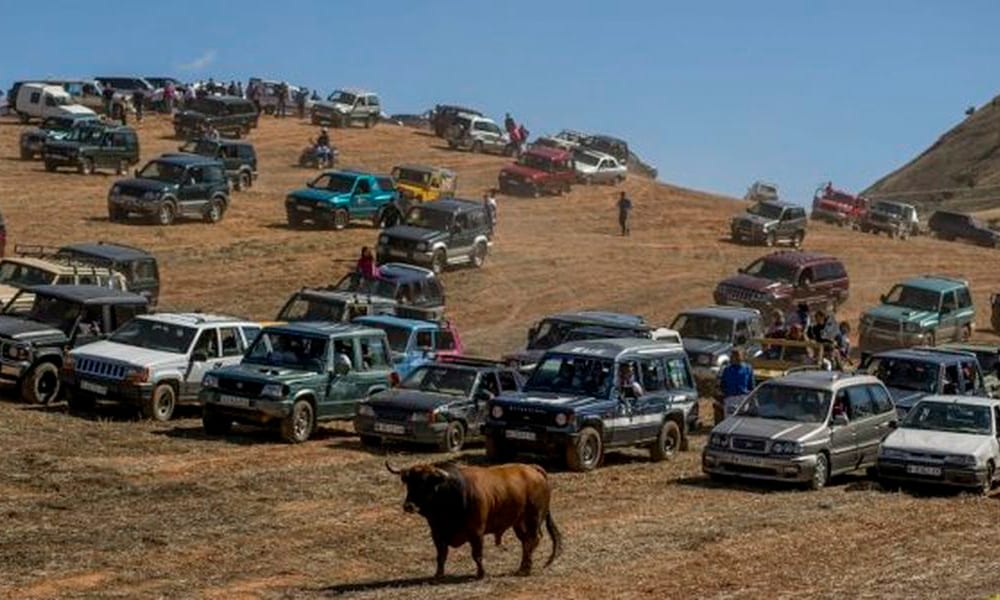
[[391, 470]]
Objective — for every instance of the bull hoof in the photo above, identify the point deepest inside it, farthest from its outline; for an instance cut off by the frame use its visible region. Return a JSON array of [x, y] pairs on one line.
[[523, 572], [480, 573]]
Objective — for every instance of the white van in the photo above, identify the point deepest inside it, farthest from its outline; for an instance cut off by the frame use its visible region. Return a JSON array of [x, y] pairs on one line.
[[39, 101]]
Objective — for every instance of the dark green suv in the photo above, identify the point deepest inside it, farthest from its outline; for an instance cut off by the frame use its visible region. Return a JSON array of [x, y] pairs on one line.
[[440, 233], [228, 115], [173, 186], [87, 149], [919, 311], [240, 158]]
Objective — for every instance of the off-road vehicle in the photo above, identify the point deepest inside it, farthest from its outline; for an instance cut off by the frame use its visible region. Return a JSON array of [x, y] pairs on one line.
[[172, 186], [910, 374], [838, 207], [139, 267], [155, 361], [895, 219], [88, 149], [802, 428], [419, 183], [40, 101], [920, 311], [538, 171], [240, 158], [32, 141], [607, 144], [761, 191], [958, 226], [344, 108], [33, 340], [780, 281], [988, 356], [780, 356], [711, 333], [770, 223], [298, 375], [336, 198], [576, 406], [444, 115], [478, 134], [414, 342], [25, 271], [439, 233], [596, 167], [442, 403], [230, 116]]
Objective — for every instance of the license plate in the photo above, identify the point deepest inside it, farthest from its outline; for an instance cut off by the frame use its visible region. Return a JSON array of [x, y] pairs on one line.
[[750, 461], [390, 428], [93, 388], [234, 400], [301, 208], [923, 470], [514, 434]]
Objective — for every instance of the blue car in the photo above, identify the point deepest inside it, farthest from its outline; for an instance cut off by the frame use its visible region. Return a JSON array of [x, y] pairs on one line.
[[414, 342], [336, 198]]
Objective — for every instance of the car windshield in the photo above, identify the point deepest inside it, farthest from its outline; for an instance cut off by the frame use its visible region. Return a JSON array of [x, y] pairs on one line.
[[949, 416], [85, 134], [155, 335], [573, 375], [889, 207], [294, 351], [786, 403], [586, 158], [304, 308], [913, 297], [18, 275], [342, 97], [162, 171], [57, 123], [904, 374], [535, 161], [765, 268], [56, 312], [413, 176], [354, 282], [428, 218], [441, 380], [704, 327], [768, 211], [334, 182]]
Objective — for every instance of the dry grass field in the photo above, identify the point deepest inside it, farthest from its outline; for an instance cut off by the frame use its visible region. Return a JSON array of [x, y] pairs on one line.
[[109, 506]]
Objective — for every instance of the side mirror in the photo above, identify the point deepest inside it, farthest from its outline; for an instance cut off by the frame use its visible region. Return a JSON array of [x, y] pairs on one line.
[[199, 357], [882, 298], [839, 420], [310, 184]]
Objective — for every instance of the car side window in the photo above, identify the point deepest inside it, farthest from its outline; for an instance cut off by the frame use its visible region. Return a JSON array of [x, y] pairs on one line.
[[372, 101], [948, 302], [859, 402], [881, 401], [445, 340], [250, 334], [742, 335], [652, 375], [195, 175], [950, 384], [435, 294], [678, 375], [964, 298], [488, 383], [373, 353], [807, 276], [363, 187], [232, 343], [425, 340], [971, 378], [208, 343], [996, 420], [214, 174], [508, 383], [35, 97]]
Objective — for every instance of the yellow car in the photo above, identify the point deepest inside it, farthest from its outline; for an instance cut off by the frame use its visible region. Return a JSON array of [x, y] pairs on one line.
[[422, 183]]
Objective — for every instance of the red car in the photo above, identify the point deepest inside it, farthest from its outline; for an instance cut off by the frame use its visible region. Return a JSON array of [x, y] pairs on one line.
[[539, 170], [837, 206]]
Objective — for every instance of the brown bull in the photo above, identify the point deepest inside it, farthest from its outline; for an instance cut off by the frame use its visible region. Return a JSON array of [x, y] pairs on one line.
[[464, 504]]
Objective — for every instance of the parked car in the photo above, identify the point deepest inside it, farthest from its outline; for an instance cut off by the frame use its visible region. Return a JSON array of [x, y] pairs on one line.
[[336, 198], [438, 234], [575, 405], [608, 145], [781, 356], [988, 356], [88, 149], [296, 376], [770, 223], [155, 362], [269, 95], [478, 134], [802, 428], [837, 206], [417, 291], [538, 171], [59, 318], [239, 158], [172, 186], [944, 441], [41, 101], [572, 137], [139, 266], [952, 226], [761, 191], [86, 92], [596, 167], [415, 342], [780, 281], [32, 141], [442, 403], [229, 115], [914, 373], [23, 271], [344, 108], [419, 183], [896, 219], [711, 333], [443, 117], [920, 311]]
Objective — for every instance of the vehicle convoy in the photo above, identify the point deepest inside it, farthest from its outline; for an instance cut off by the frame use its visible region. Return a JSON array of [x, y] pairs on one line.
[[415, 342], [895, 219], [170, 187], [419, 183], [920, 311], [780, 281], [576, 404], [478, 134], [139, 267], [711, 333], [538, 171], [761, 191], [296, 376], [596, 167], [41, 101], [443, 117], [34, 337], [442, 403], [32, 141], [344, 108], [802, 428], [87, 149], [988, 356], [837, 206], [770, 223], [336, 198], [439, 234], [239, 158], [155, 362], [945, 441], [952, 226], [228, 115], [913, 373], [25, 271]]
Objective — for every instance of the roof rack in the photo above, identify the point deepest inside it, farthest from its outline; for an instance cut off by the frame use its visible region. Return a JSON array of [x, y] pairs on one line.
[[35, 250], [469, 361]]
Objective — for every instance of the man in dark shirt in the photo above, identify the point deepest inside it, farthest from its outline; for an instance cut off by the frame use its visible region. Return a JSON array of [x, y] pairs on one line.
[[624, 211]]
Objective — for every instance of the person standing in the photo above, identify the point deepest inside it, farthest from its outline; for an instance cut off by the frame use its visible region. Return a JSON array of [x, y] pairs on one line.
[[624, 213], [108, 95], [300, 102], [490, 206], [735, 381], [138, 99], [282, 90], [168, 97]]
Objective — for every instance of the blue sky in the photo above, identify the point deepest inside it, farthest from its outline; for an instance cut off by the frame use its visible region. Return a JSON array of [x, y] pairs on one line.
[[714, 93]]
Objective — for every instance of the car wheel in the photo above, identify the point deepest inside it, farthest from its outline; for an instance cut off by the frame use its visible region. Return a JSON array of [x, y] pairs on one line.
[[903, 234], [668, 441], [215, 211], [41, 385], [122, 167], [587, 452], [294, 220], [166, 215], [477, 147], [821, 473], [864, 229], [988, 481], [770, 240], [161, 403], [369, 122], [454, 437], [797, 239], [340, 218], [245, 181], [298, 425], [86, 166], [439, 262], [535, 192], [479, 254], [214, 423]]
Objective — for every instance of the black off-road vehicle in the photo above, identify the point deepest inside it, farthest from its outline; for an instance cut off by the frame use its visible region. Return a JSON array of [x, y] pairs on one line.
[[440, 233], [240, 158], [228, 115], [952, 226], [173, 186], [87, 149], [53, 128], [139, 267]]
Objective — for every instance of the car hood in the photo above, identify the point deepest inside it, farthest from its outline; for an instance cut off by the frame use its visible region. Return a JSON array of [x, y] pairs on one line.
[[949, 442], [702, 346], [416, 234], [755, 220], [900, 313], [332, 106], [547, 400], [129, 355], [750, 282], [76, 109], [583, 167], [145, 185], [905, 398], [26, 329], [771, 429], [522, 171], [189, 115], [265, 374], [414, 400], [318, 195]]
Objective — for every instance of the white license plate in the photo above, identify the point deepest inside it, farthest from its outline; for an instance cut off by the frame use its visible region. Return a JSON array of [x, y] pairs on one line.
[[514, 434], [750, 461], [923, 470], [390, 428], [233, 400], [299, 207], [93, 388]]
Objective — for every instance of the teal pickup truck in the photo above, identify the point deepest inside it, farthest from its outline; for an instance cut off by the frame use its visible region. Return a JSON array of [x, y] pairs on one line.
[[336, 198]]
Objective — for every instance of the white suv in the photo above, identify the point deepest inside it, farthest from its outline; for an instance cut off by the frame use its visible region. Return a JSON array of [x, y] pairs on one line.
[[477, 134], [156, 361]]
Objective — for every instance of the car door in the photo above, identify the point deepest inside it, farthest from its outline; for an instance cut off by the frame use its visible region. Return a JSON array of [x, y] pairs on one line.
[[341, 389], [204, 357], [475, 408], [865, 423], [462, 236], [647, 414], [361, 198], [192, 192], [843, 443], [948, 321], [491, 135]]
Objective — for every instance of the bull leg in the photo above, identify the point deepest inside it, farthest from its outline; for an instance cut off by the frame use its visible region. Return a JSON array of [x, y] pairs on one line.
[[477, 555], [442, 556], [530, 537]]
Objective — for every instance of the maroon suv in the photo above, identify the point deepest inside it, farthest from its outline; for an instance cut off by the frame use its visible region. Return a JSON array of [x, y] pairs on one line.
[[782, 280], [539, 170]]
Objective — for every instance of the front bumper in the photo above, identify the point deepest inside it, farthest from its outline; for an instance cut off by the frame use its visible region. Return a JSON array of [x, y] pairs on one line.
[[754, 466], [403, 431], [941, 475], [106, 389], [753, 235], [243, 409], [11, 371], [531, 439], [416, 257], [515, 185], [872, 340], [134, 205]]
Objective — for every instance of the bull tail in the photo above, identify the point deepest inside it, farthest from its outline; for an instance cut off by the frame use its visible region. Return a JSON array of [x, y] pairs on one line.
[[550, 526]]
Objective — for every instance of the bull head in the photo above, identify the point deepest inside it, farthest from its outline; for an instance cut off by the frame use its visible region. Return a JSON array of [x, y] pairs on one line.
[[423, 483]]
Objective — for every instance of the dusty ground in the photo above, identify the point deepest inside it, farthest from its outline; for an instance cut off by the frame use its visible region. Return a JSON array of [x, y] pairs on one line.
[[110, 506]]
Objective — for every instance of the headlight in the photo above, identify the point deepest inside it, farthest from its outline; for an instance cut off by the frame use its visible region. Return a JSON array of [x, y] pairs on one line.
[[892, 453], [136, 375], [496, 412], [17, 351], [383, 240], [273, 390], [788, 448], [704, 360], [960, 459], [150, 195], [911, 327], [210, 381], [718, 440], [562, 419], [365, 410], [422, 247], [422, 417]]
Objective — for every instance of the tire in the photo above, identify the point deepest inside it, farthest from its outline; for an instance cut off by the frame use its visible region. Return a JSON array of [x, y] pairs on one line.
[[454, 437], [86, 166], [161, 403], [122, 168], [244, 181], [668, 442], [587, 452], [269, 110], [340, 219], [797, 240], [439, 262], [865, 229], [24, 118], [166, 214], [821, 474], [369, 122], [988, 482], [535, 192], [216, 209], [41, 385], [771, 240], [477, 147], [587, 180], [294, 220], [497, 451], [930, 339], [478, 258], [903, 234], [214, 423], [116, 215], [298, 426]]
